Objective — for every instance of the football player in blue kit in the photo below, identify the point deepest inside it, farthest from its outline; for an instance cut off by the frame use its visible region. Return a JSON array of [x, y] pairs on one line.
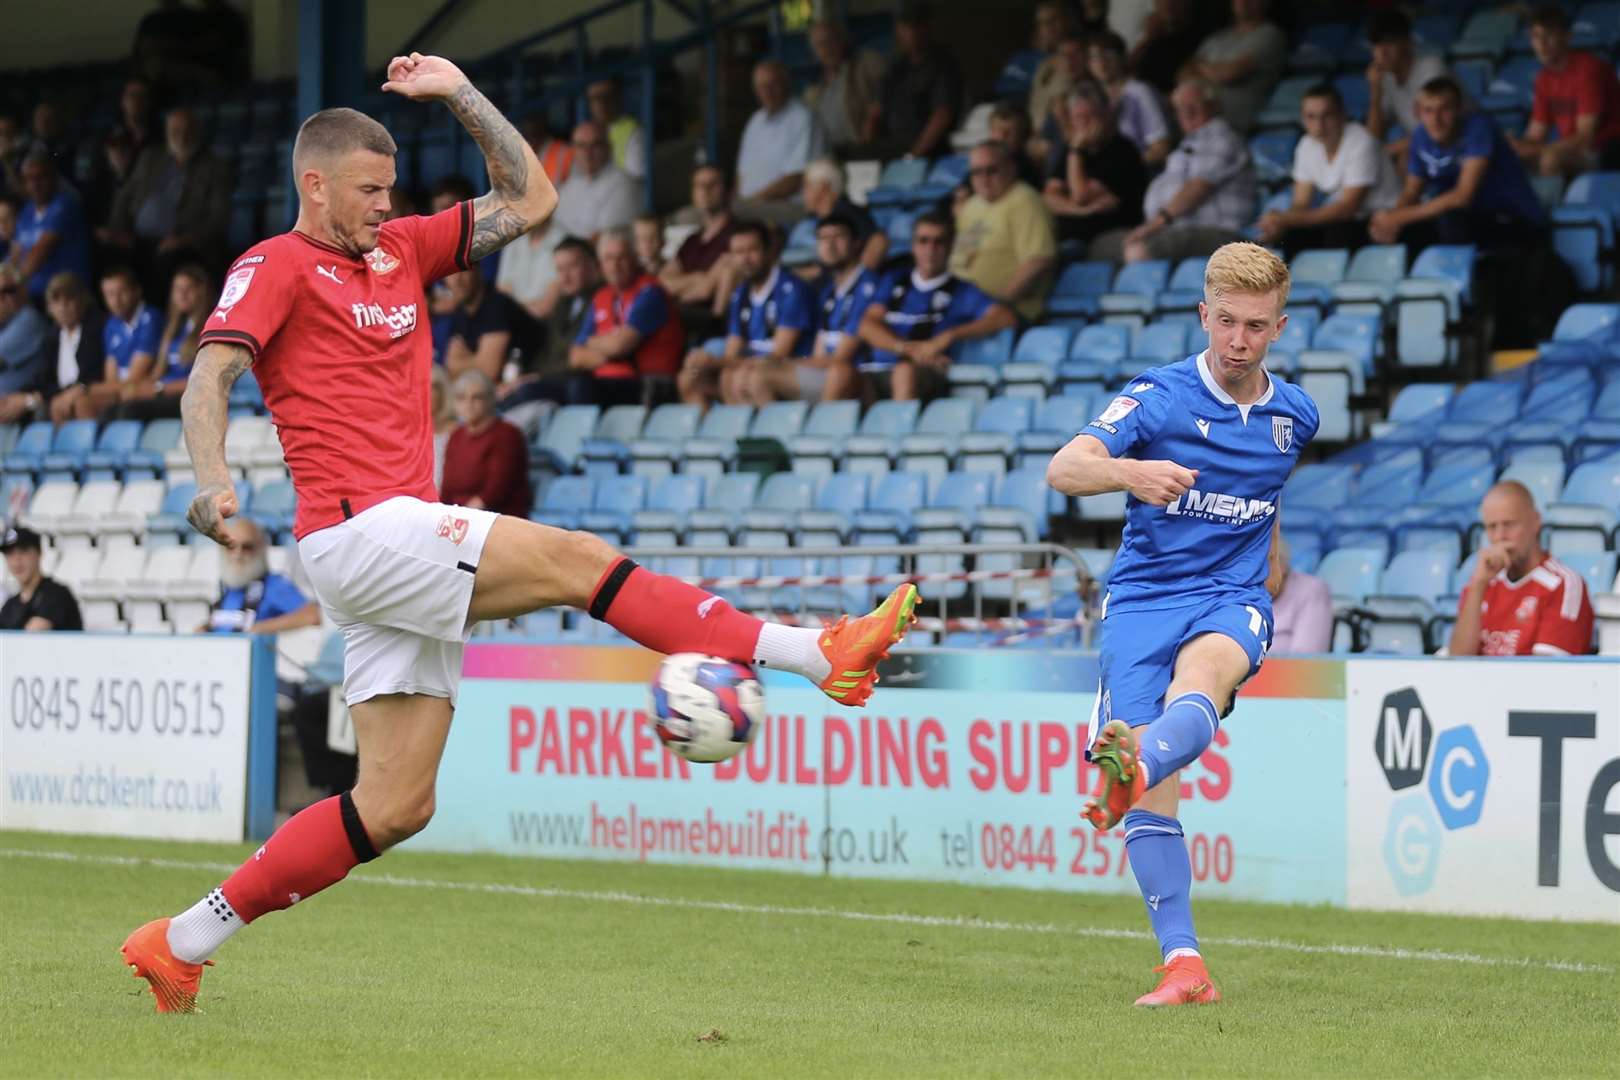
[[1202, 449]]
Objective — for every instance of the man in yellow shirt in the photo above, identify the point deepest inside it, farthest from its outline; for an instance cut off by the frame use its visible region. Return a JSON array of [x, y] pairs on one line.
[[1006, 244]]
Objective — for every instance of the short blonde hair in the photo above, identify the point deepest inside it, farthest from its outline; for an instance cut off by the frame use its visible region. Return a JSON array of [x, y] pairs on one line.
[[1248, 268]]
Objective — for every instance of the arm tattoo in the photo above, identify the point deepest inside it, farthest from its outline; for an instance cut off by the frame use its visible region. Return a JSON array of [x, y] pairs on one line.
[[495, 221], [205, 405]]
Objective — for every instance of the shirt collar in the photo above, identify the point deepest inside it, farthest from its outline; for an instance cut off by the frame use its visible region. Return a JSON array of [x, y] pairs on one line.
[[759, 295], [1223, 397], [925, 284]]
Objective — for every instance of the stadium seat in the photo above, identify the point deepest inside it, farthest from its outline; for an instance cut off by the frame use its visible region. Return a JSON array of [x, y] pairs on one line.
[[1594, 483], [1585, 334], [1353, 334], [1397, 638], [932, 446], [1185, 289], [70, 446], [873, 446], [113, 446], [1492, 402], [1351, 573], [1429, 303], [898, 178], [136, 503], [992, 350], [564, 500], [1026, 489], [1314, 273], [715, 444], [1282, 107], [1486, 34], [274, 505], [1317, 487], [669, 500], [608, 448], [564, 435], [1134, 289], [1543, 479], [1597, 568], [1057, 420], [91, 505], [157, 438], [1159, 343], [657, 449], [613, 506], [1102, 344], [1371, 275], [1420, 401], [818, 448], [1079, 287], [51, 501], [1422, 574], [1048, 345], [889, 509], [991, 443], [1331, 389]]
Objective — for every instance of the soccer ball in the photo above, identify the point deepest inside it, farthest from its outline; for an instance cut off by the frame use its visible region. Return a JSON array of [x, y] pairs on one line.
[[704, 708]]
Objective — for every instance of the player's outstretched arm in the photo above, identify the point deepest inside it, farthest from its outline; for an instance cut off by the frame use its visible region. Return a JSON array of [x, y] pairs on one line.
[[521, 195], [204, 410], [1085, 467]]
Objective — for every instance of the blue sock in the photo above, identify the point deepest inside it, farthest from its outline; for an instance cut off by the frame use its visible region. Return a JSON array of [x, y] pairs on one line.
[[1178, 736], [1158, 856]]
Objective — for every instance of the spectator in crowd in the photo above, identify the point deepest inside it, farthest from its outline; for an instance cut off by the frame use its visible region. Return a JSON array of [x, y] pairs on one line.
[[486, 328], [598, 195], [13, 148], [849, 290], [648, 233], [443, 413], [191, 298], [1302, 607], [632, 332], [701, 273], [24, 349], [1053, 130], [1519, 601], [1205, 194], [49, 131], [137, 114], [528, 270], [51, 232], [780, 139], [1005, 244], [41, 603], [130, 341], [1138, 109], [922, 91], [771, 322], [918, 316], [1394, 78], [1056, 21], [253, 599], [80, 347], [1464, 184], [1009, 126], [1170, 37], [606, 102], [8, 226], [1577, 95], [849, 85], [548, 375], [486, 462], [1244, 61], [175, 206], [1341, 177], [824, 197], [1096, 182], [115, 166], [556, 155]]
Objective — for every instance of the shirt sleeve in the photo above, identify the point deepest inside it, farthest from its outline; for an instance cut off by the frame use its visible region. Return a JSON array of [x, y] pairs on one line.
[[587, 324], [970, 304], [1476, 140], [254, 302], [1131, 419], [147, 335], [649, 312], [54, 219], [1565, 627], [1034, 234], [1589, 90], [798, 311], [1362, 168], [61, 609], [442, 242]]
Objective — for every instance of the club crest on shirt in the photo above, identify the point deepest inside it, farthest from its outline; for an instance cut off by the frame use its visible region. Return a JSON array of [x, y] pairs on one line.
[[453, 529], [380, 261], [1526, 610], [1282, 432]]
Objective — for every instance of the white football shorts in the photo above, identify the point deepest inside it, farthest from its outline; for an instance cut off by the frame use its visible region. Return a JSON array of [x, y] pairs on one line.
[[397, 579]]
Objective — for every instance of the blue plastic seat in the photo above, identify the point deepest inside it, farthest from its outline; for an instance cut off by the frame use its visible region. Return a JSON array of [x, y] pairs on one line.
[[1420, 400], [991, 443], [70, 446], [1594, 483], [564, 500], [1314, 274], [896, 181], [992, 350], [1058, 420], [1103, 343], [564, 435], [1160, 343], [1422, 574], [787, 491], [1492, 402], [1078, 288], [1597, 568], [1354, 334], [113, 447], [1351, 573], [1273, 153], [1543, 479], [1318, 486], [1026, 489], [1135, 287], [890, 506], [1185, 289], [731, 493], [1371, 275], [1584, 226], [1044, 345], [676, 494]]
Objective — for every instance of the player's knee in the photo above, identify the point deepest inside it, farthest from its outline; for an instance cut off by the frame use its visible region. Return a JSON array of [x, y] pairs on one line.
[[399, 820]]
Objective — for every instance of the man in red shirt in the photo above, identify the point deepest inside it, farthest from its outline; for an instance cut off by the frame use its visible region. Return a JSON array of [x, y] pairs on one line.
[[331, 317], [1520, 601], [1577, 95], [631, 329]]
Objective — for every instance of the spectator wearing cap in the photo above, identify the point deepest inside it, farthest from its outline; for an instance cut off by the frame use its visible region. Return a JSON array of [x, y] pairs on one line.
[[252, 598], [605, 99], [24, 350], [632, 331], [701, 274], [824, 197], [1244, 61], [486, 462], [1204, 196], [771, 322], [1096, 182], [1006, 244], [850, 83], [40, 603], [849, 289], [780, 139], [1394, 77], [1519, 601], [1138, 109], [79, 345], [1577, 96], [598, 194], [51, 231], [1341, 177], [922, 91]]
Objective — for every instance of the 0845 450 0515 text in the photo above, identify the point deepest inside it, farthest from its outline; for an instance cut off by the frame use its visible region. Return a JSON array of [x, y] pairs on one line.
[[167, 707]]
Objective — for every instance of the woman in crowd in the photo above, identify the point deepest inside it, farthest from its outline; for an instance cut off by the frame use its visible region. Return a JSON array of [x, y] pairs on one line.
[[80, 351], [486, 463], [191, 298]]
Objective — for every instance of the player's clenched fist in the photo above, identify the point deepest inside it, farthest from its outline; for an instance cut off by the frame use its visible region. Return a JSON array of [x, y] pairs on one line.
[[209, 509], [1159, 483], [423, 78]]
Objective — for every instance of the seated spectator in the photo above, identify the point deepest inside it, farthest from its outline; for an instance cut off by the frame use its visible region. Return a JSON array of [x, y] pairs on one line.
[[849, 85], [1464, 184], [824, 197], [605, 99], [922, 92], [701, 274], [41, 603], [598, 195], [771, 322], [780, 139], [1006, 244], [1244, 62], [1341, 177], [1394, 78], [486, 328], [1096, 183], [8, 226], [917, 317], [547, 375], [1138, 109], [1053, 130], [1302, 607], [556, 155], [1056, 21], [51, 232], [1577, 95], [632, 332], [117, 164], [130, 341], [849, 290], [1205, 195], [191, 298], [13, 148], [528, 269], [1520, 601], [486, 461], [80, 347], [138, 127], [442, 411], [137, 114], [49, 131], [648, 233], [1009, 126], [25, 360], [252, 599], [174, 208]]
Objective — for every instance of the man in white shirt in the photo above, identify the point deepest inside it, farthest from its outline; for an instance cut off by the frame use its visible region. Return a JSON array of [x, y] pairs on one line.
[[598, 194], [1394, 78], [1341, 176], [781, 138]]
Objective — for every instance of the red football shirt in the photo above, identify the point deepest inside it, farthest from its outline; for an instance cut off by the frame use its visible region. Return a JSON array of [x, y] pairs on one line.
[[1585, 87], [342, 351], [1546, 612]]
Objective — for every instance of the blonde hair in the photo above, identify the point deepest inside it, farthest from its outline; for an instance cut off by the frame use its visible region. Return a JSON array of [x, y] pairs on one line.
[[1248, 268]]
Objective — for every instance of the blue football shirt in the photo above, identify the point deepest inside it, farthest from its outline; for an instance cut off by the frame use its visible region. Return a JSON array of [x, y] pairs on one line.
[[1216, 538], [918, 309], [122, 340], [784, 302], [841, 311], [1505, 187], [62, 217], [271, 596]]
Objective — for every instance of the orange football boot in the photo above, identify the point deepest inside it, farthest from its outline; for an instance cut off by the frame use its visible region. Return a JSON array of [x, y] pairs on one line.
[[854, 648], [1115, 754], [173, 981], [1185, 982]]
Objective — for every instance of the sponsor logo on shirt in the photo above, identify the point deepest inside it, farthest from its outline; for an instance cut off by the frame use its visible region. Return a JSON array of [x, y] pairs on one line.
[[1216, 506], [453, 529], [399, 320]]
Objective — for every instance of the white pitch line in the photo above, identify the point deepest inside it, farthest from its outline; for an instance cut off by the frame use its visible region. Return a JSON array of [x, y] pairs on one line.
[[958, 922]]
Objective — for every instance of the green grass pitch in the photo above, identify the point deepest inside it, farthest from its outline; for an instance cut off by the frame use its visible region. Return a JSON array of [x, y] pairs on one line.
[[433, 965]]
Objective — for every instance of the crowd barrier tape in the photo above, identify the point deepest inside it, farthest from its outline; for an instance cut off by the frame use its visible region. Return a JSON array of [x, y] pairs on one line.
[[138, 735]]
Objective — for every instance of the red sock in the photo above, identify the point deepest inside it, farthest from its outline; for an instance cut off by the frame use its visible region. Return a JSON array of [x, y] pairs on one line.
[[669, 616], [316, 848]]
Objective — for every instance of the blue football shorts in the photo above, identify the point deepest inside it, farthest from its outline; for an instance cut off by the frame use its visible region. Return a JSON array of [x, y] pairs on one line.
[[1139, 648]]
